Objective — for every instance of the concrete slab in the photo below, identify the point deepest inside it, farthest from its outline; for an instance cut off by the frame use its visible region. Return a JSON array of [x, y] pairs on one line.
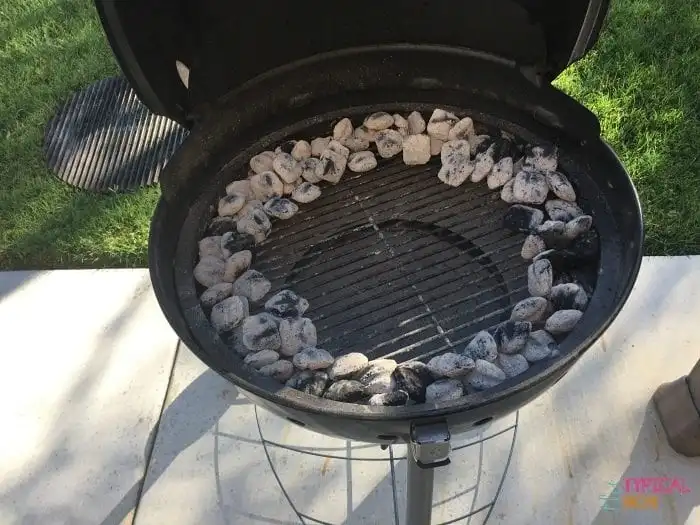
[[84, 363]]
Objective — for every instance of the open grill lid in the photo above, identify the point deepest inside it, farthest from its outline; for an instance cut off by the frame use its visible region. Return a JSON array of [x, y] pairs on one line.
[[220, 45]]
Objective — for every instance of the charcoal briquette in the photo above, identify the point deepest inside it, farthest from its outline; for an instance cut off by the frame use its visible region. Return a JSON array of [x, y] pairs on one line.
[[345, 391], [440, 124], [312, 358], [450, 365], [331, 166], [319, 145], [252, 284], [560, 210], [306, 192], [532, 246], [310, 382], [286, 304], [462, 130], [379, 121], [501, 173], [343, 129], [389, 143], [260, 359], [211, 247], [444, 390], [362, 161], [530, 187], [260, 332], [280, 370], [511, 336], [266, 185], [229, 313], [560, 186], [532, 309], [220, 225], [485, 375], [540, 345], [521, 218], [231, 204], [236, 264], [396, 398], [512, 365], [482, 346], [216, 294], [413, 377], [209, 271], [416, 123], [347, 365], [296, 334], [280, 208], [562, 321], [262, 161], [540, 276], [568, 296], [416, 150], [577, 226]]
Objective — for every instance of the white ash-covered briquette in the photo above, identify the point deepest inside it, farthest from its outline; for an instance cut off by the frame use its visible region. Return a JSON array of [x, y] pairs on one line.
[[542, 158], [241, 187], [511, 336], [476, 141], [540, 345], [286, 167], [332, 166], [280, 370], [501, 173], [444, 390], [540, 276], [568, 296], [507, 192], [354, 144], [401, 124], [253, 285], [416, 150], [343, 129], [450, 365], [512, 365], [560, 210], [296, 334], [262, 161], [456, 164], [280, 208], [416, 123], [376, 376], [485, 375], [260, 359], [210, 247], [346, 391], [209, 271], [347, 365], [310, 382], [266, 185], [435, 146], [412, 377], [312, 358], [232, 242], [231, 204], [440, 124], [521, 218], [553, 234], [338, 147], [482, 346], [530, 187], [306, 192], [532, 309], [389, 143], [308, 170], [462, 130], [562, 321], [364, 133], [483, 161], [260, 332], [362, 161], [229, 313], [577, 226], [220, 225], [319, 145], [397, 398], [532, 246], [560, 186], [286, 304], [379, 121], [301, 150], [236, 264], [254, 222], [216, 294]]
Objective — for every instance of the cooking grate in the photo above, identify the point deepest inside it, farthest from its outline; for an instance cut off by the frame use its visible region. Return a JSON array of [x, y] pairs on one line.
[[396, 264], [104, 139]]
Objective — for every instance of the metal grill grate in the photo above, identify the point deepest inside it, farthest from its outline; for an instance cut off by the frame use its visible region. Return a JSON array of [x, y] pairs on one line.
[[104, 139], [397, 264]]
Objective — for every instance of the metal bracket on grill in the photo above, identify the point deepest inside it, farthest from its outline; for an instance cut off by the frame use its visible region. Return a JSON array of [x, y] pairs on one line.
[[430, 445]]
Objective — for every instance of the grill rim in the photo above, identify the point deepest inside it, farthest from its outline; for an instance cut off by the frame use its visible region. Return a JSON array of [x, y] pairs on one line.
[[297, 401]]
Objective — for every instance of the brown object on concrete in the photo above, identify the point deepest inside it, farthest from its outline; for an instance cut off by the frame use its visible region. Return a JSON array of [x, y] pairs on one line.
[[679, 414]]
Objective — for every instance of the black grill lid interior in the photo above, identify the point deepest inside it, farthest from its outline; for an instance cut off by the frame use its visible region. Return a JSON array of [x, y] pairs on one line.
[[224, 44]]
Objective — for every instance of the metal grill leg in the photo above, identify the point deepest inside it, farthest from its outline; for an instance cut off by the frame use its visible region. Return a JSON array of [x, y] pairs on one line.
[[419, 500], [428, 449]]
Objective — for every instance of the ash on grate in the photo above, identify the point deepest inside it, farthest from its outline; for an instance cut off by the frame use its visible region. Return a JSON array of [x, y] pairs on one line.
[[271, 333]]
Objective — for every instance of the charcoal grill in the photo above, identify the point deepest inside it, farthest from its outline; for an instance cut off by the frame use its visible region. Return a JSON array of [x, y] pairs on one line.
[[393, 262]]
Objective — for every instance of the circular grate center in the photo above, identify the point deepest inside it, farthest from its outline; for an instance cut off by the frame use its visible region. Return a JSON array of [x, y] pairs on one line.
[[397, 264]]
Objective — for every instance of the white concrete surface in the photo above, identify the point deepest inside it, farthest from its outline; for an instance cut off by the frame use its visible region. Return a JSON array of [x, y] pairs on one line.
[[74, 440], [85, 358]]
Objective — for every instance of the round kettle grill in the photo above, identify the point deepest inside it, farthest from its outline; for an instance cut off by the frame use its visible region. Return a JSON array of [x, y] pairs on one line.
[[393, 262]]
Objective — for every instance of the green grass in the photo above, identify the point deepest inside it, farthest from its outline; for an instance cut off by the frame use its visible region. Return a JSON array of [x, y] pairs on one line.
[[642, 80]]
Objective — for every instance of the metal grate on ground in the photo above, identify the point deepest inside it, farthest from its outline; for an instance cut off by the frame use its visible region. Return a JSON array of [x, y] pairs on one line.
[[104, 139]]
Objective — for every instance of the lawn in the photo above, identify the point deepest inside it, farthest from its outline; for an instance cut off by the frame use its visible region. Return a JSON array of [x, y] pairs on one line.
[[642, 80]]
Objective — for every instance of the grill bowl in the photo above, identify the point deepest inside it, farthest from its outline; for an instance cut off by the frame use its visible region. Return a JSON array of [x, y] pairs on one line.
[[388, 256]]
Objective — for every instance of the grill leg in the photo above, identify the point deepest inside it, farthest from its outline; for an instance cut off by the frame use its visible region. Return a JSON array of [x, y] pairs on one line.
[[428, 448], [419, 501]]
